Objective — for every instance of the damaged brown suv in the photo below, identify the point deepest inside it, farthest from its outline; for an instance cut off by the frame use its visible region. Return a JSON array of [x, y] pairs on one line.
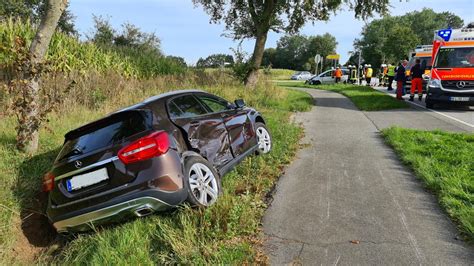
[[149, 157]]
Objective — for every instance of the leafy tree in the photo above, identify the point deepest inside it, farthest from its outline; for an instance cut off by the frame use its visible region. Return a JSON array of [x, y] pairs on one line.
[[391, 38], [255, 18], [269, 57], [129, 36], [34, 10], [104, 33], [297, 51], [407, 40], [215, 60], [291, 52], [425, 22], [321, 44], [178, 60]]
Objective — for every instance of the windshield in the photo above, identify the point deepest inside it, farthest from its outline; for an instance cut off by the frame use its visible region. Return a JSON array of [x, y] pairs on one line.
[[461, 57]]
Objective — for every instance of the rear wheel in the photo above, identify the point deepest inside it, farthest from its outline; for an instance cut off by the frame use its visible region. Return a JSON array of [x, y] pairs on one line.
[[264, 139], [202, 182]]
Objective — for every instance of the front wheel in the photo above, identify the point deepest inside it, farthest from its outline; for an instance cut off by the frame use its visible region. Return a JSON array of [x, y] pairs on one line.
[[202, 182], [264, 139]]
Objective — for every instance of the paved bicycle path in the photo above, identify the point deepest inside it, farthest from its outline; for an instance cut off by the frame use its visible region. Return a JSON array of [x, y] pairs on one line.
[[347, 199]]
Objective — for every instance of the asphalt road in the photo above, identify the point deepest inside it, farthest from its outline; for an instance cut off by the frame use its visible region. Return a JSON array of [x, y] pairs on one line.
[[347, 199], [462, 115]]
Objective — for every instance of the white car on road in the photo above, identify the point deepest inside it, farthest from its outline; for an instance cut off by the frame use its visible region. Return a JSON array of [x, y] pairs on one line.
[[328, 78], [302, 75]]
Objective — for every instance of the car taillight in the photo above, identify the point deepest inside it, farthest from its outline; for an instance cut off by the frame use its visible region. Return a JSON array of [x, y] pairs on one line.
[[145, 148], [48, 182]]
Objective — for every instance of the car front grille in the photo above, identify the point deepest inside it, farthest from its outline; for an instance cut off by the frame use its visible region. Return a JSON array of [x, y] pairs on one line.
[[455, 84]]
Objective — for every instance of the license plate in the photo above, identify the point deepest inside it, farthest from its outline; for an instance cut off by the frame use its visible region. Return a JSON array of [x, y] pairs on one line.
[[88, 179], [459, 99]]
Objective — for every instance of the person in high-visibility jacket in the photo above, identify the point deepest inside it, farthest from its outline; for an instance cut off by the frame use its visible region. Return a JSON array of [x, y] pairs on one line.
[[368, 74], [338, 74], [391, 76], [416, 73]]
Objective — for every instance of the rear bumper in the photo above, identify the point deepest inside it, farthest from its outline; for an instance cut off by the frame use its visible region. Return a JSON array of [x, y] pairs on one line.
[[110, 214], [158, 185], [436, 95]]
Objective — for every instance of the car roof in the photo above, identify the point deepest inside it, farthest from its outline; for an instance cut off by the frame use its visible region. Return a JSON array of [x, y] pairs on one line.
[[169, 94], [137, 106], [157, 97]]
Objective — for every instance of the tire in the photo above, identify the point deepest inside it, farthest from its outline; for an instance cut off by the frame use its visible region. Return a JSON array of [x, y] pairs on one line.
[[264, 138], [202, 191]]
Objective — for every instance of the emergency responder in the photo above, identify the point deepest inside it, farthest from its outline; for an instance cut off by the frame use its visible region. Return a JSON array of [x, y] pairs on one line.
[[338, 74], [352, 74], [368, 74], [391, 76], [361, 73], [400, 77], [416, 80]]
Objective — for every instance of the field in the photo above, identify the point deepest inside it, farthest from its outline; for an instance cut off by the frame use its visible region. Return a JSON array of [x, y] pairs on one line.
[[226, 233], [67, 54]]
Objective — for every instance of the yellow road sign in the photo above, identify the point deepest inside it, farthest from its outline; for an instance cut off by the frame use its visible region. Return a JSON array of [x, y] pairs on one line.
[[333, 56]]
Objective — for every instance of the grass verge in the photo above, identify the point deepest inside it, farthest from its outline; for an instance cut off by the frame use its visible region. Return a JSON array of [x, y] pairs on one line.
[[364, 97], [226, 233], [444, 161]]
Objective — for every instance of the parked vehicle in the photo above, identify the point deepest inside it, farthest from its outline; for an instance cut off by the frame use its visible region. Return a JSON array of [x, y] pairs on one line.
[[303, 75], [452, 76], [150, 157], [424, 53], [328, 78]]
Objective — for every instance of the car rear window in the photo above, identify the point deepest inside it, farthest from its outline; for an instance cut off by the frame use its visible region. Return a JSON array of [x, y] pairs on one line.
[[105, 132]]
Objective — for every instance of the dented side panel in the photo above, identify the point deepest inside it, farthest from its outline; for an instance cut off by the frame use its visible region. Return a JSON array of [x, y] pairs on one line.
[[208, 135]]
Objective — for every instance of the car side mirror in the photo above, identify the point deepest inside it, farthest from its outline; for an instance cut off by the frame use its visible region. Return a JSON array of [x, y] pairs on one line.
[[239, 103]]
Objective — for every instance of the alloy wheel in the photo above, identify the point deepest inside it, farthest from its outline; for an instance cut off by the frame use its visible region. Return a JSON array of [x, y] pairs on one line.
[[203, 184], [264, 140]]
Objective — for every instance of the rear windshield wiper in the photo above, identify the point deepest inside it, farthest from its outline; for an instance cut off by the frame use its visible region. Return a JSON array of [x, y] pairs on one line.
[[75, 151]]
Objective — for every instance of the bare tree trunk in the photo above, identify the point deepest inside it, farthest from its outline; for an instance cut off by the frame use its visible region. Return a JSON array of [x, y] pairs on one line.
[[256, 61], [28, 134]]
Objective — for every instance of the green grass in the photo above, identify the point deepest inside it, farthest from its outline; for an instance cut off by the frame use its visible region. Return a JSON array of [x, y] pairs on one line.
[[444, 161], [225, 233], [364, 97]]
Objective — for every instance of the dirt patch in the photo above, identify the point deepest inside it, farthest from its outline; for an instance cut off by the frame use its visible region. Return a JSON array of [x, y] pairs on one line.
[[33, 233]]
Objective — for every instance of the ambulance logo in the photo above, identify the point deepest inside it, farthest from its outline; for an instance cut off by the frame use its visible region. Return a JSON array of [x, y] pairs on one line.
[[445, 34]]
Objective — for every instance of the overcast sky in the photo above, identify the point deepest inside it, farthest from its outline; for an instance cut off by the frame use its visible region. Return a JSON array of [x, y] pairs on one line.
[[185, 31]]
